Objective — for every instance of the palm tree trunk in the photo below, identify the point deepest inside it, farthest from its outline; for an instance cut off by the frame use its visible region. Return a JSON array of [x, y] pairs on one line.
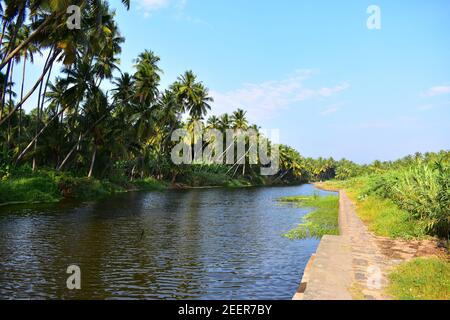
[[40, 104], [5, 88], [80, 138], [70, 152], [21, 94], [132, 172], [3, 33], [38, 121], [32, 90], [38, 135], [92, 161], [10, 101]]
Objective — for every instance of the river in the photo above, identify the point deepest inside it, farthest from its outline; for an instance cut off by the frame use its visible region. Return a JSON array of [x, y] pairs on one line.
[[187, 244]]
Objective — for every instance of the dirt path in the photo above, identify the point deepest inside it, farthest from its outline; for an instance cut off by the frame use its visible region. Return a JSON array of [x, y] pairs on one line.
[[367, 258]]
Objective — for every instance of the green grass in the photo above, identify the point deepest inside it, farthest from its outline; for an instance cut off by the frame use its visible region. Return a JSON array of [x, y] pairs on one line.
[[382, 216], [33, 189], [421, 279], [322, 221], [150, 184]]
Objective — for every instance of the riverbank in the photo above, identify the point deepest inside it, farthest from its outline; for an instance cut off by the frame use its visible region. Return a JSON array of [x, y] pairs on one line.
[[45, 186], [364, 265], [49, 186]]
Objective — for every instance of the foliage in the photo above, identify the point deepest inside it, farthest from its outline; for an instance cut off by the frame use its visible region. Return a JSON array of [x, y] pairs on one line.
[[423, 191]]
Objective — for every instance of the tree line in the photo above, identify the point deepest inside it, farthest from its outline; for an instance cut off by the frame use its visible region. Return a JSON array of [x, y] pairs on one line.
[[79, 127]]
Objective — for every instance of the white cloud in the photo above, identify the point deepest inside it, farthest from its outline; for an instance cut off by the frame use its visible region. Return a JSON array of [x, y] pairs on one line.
[[436, 91], [375, 125], [332, 109], [432, 106], [264, 99], [152, 5]]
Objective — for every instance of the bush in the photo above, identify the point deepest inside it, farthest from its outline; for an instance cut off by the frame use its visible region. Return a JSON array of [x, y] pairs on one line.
[[85, 188], [423, 191]]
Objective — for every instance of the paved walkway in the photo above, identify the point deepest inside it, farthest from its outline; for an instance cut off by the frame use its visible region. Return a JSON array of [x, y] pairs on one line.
[[355, 264]]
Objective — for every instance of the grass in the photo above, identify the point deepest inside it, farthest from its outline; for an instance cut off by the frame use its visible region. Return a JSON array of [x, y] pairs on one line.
[[150, 184], [421, 279], [322, 221], [34, 189], [382, 216]]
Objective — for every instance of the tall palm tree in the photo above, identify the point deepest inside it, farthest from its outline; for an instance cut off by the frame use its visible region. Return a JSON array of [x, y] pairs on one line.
[[147, 77], [213, 122], [225, 122], [239, 120], [193, 95]]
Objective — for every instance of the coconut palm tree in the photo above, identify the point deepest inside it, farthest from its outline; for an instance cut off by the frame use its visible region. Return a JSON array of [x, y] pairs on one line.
[[239, 120], [225, 122], [192, 95], [147, 77], [213, 122]]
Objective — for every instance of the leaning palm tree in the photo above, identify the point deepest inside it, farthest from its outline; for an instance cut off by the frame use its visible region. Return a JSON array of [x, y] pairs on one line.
[[46, 16]]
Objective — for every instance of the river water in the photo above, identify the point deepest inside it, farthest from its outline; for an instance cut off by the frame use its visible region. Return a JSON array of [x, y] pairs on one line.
[[189, 244]]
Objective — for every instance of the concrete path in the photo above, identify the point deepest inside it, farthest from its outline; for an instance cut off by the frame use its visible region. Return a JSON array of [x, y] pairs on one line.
[[355, 264]]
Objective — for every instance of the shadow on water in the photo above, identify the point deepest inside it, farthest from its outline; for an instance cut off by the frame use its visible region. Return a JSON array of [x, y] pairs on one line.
[[189, 244]]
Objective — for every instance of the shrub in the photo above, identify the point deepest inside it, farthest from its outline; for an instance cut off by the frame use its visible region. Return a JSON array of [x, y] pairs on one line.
[[423, 191]]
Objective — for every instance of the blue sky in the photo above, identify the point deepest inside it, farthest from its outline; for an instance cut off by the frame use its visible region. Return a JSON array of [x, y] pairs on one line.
[[310, 68]]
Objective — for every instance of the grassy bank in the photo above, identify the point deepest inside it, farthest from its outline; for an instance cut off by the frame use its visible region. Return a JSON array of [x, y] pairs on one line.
[[411, 202], [47, 185], [322, 221], [50, 186], [421, 279], [382, 216]]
